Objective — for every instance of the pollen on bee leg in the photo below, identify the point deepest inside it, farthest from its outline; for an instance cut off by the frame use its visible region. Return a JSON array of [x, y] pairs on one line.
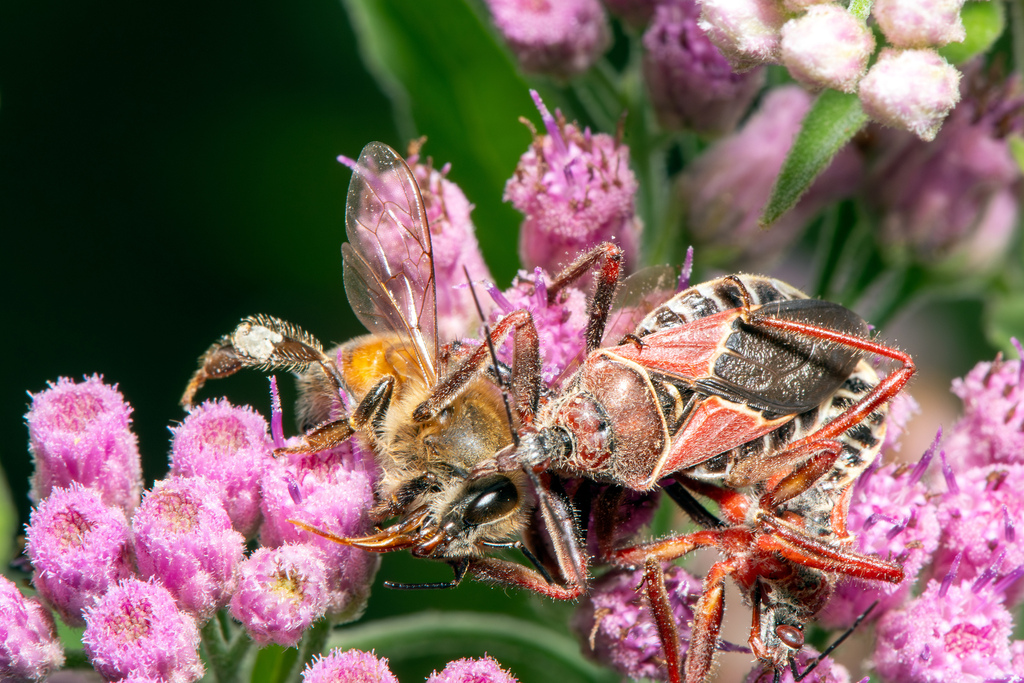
[[255, 341]]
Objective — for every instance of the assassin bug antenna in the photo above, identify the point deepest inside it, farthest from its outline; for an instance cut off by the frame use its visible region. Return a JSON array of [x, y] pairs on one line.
[[494, 357]]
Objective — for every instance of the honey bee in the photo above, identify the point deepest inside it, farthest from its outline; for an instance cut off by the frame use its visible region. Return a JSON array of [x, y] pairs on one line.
[[370, 389]]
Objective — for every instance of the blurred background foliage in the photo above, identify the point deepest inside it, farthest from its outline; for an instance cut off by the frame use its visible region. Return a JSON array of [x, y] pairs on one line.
[[168, 168]]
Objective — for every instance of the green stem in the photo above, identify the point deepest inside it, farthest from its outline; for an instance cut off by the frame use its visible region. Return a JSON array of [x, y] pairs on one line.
[[312, 643], [1017, 33], [910, 281], [224, 660]]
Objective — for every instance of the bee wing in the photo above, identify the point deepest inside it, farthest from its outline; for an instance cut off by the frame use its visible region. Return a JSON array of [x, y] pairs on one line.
[[639, 294], [389, 267]]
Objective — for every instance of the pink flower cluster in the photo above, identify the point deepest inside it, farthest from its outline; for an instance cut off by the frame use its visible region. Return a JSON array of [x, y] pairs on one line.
[[144, 578], [824, 45]]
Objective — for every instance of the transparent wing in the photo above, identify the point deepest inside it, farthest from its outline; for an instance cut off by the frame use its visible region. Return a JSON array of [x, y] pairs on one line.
[[639, 294], [389, 268]]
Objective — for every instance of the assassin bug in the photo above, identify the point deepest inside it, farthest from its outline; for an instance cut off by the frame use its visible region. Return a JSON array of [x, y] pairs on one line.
[[750, 393]]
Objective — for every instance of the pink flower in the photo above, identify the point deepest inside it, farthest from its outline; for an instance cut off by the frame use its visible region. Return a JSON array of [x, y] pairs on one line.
[[575, 189], [282, 592], [615, 626], [955, 632], [81, 432], [184, 540], [953, 201], [691, 84], [910, 89], [230, 446], [920, 23], [981, 517], [352, 665], [483, 670], [892, 516], [827, 48], [725, 190], [454, 243], [29, 647], [79, 548], [560, 38], [560, 325], [135, 629], [991, 430]]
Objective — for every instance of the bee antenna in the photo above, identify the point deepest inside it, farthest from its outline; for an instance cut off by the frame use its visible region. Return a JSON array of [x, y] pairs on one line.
[[831, 648], [494, 357]]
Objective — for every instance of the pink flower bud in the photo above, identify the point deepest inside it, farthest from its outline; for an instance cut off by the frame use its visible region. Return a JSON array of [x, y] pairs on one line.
[[746, 31], [484, 670], [920, 23], [79, 548], [691, 84], [184, 540], [136, 629], [952, 201], [560, 38], [282, 592], [230, 446], [827, 48], [910, 89], [575, 189], [29, 647], [81, 432], [351, 665]]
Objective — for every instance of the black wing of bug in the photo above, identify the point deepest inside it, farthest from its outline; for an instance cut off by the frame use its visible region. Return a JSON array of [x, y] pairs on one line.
[[782, 372]]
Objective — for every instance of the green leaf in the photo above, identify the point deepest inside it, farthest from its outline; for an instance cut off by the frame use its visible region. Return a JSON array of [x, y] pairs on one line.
[[984, 23], [450, 80], [834, 118], [425, 641], [1016, 143], [1005, 319]]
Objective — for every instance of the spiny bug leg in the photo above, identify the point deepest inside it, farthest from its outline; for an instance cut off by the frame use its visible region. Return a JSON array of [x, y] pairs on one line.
[[610, 257], [760, 469], [707, 621], [664, 619]]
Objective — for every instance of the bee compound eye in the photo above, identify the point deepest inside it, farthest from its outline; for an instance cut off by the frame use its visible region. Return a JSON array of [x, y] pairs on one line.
[[790, 635], [491, 499]]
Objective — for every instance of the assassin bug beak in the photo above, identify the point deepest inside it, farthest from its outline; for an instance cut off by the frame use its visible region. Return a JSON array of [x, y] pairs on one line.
[[405, 534]]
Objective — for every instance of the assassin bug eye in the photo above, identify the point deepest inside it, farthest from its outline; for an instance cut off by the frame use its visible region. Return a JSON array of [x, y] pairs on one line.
[[790, 635], [493, 498]]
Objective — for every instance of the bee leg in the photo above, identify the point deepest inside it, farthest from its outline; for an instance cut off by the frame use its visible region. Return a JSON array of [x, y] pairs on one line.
[[371, 410], [263, 342], [608, 278]]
